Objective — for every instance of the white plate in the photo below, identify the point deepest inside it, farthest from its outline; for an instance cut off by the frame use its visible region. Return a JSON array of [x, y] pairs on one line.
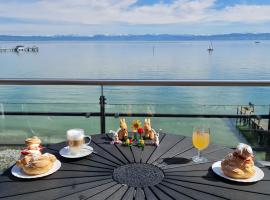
[[87, 150], [216, 167], [18, 172]]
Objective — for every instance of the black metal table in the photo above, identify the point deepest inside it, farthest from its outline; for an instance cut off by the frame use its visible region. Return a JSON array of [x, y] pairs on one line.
[[120, 172]]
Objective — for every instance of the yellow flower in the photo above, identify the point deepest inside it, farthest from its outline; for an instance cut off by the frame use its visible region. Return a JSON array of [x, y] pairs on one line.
[[135, 125]]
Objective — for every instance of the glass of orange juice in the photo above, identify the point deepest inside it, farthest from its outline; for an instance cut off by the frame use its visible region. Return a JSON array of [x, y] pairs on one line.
[[200, 140]]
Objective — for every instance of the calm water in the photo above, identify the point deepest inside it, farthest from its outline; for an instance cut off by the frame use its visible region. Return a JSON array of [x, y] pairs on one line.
[[133, 60]]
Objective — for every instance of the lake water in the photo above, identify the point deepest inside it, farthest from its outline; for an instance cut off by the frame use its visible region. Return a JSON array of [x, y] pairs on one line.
[[132, 60]]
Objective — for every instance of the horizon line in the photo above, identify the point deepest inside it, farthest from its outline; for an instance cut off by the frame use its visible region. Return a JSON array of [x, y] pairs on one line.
[[146, 34]]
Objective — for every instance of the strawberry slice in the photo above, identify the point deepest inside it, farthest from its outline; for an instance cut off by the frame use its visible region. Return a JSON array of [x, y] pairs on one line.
[[24, 153], [248, 160]]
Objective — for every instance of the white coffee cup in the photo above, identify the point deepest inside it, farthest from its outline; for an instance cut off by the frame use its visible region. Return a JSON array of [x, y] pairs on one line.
[[76, 140]]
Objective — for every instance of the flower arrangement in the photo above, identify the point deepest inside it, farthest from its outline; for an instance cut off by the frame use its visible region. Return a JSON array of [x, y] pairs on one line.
[[136, 125]]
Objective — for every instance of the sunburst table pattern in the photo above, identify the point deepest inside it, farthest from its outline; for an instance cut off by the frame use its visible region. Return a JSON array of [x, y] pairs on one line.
[[117, 172]]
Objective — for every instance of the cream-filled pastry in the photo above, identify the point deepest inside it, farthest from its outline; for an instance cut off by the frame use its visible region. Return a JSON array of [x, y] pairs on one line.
[[239, 164]]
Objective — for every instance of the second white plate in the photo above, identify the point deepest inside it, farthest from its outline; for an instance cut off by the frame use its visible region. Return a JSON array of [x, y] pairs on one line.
[[87, 150], [216, 167]]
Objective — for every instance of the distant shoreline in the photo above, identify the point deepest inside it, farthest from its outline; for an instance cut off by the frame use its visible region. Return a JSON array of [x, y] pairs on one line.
[[147, 37]]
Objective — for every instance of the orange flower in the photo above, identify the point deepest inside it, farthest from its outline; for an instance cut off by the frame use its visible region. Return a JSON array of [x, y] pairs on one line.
[[136, 124]]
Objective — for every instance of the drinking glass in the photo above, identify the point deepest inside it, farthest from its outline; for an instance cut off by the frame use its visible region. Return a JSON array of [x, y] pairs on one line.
[[200, 140]]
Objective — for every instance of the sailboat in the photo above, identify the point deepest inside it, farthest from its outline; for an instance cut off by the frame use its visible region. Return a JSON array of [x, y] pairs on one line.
[[210, 48]]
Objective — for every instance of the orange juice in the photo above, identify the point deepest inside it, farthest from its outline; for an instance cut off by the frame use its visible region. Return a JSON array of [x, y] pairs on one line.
[[200, 140]]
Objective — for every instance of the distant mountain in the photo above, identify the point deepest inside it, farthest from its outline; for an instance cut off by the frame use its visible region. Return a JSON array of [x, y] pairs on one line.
[[148, 37]]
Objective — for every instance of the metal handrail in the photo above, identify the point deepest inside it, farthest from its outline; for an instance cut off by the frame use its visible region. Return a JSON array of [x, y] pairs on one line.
[[123, 114], [135, 82]]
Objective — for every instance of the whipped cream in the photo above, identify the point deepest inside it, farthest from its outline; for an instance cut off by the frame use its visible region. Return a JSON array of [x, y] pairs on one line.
[[241, 147]]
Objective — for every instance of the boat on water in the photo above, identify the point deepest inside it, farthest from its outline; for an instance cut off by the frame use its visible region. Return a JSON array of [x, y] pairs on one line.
[[210, 48], [19, 48]]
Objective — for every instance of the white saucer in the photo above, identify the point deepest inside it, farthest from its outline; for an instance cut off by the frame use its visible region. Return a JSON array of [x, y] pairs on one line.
[[87, 150], [216, 167], [18, 172]]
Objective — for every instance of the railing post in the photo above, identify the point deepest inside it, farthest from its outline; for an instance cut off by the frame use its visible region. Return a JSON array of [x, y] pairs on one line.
[[237, 112], [269, 120], [267, 155], [102, 102]]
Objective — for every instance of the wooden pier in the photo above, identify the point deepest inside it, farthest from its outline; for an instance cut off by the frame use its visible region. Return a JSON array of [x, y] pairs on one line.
[[254, 126], [254, 123], [19, 49]]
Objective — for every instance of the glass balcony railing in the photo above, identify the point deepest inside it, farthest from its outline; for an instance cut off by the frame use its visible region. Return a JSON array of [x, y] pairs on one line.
[[48, 108], [50, 121]]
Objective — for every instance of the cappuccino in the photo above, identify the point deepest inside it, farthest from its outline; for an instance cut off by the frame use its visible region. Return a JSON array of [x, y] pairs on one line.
[[76, 140]]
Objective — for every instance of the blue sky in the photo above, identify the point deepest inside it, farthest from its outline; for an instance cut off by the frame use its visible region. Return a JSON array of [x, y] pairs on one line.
[[90, 17]]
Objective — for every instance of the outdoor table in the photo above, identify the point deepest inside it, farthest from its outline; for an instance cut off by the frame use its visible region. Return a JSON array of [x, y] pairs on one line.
[[123, 172]]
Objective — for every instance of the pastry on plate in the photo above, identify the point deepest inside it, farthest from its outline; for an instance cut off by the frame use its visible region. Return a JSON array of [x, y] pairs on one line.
[[32, 161], [36, 164], [239, 164]]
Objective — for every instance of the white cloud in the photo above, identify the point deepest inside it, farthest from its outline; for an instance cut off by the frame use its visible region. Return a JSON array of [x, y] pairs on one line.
[[109, 12], [242, 13]]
